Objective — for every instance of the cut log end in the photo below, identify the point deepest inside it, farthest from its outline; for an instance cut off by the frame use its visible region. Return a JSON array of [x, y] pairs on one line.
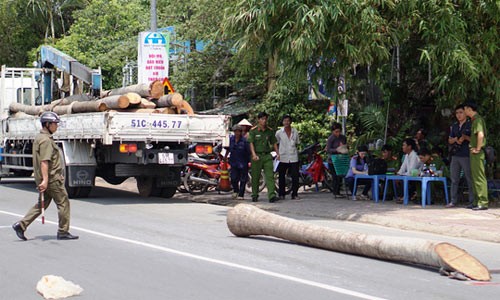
[[461, 261], [156, 89]]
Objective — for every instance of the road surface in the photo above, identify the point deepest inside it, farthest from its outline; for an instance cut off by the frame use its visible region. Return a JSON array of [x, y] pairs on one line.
[[135, 248]]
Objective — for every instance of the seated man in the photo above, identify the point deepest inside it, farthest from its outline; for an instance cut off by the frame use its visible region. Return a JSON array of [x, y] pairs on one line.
[[431, 166], [392, 161], [411, 164], [428, 160], [410, 159], [392, 167], [359, 165]]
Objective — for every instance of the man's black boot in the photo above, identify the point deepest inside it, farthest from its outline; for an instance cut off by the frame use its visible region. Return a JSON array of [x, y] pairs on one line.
[[19, 231], [66, 236]]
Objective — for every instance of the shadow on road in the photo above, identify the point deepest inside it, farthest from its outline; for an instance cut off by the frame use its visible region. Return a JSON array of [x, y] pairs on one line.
[[102, 193]]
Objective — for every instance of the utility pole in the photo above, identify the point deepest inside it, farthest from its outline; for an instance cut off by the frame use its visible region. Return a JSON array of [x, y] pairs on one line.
[[153, 16]]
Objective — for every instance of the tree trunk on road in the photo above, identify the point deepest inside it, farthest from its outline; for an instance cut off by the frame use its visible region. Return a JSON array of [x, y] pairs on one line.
[[245, 220]]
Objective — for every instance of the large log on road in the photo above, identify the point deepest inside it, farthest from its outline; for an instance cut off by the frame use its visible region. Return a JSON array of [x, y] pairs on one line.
[[246, 220]]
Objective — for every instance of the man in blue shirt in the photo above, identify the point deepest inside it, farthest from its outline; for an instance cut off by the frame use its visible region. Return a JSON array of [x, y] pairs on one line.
[[458, 140], [238, 160]]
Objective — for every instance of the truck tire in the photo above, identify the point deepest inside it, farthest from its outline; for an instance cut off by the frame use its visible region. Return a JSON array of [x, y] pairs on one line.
[[114, 180], [145, 185], [79, 191], [168, 192]]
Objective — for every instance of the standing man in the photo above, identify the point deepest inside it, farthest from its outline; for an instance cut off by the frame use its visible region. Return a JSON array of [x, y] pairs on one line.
[[288, 139], [336, 144], [262, 141], [48, 171], [458, 140], [477, 144], [238, 160], [420, 140]]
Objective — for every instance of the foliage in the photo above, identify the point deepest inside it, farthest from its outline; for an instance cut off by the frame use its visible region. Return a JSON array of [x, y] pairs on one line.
[[447, 52], [309, 117], [104, 35], [447, 47], [17, 38]]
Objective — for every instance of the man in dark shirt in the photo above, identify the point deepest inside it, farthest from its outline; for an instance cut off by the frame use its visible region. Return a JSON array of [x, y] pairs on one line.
[[336, 144], [238, 160], [458, 140]]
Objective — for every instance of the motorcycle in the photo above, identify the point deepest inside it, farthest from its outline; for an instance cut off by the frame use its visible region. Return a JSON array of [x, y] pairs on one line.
[[314, 172], [200, 174]]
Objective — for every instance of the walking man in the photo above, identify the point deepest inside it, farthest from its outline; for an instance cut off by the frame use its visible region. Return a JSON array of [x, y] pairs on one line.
[[47, 167], [262, 141], [477, 144], [460, 133], [288, 139]]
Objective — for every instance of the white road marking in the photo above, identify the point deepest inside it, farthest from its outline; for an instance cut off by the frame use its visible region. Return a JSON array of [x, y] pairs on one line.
[[217, 261]]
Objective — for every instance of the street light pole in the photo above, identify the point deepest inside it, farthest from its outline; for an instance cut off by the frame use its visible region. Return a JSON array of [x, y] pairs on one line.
[[153, 16]]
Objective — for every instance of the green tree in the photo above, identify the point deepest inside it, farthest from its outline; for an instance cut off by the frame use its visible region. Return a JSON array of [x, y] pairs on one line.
[[447, 48], [104, 35]]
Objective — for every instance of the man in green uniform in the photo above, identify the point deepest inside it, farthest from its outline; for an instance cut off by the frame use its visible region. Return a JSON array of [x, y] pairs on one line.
[[47, 167], [476, 145], [262, 141]]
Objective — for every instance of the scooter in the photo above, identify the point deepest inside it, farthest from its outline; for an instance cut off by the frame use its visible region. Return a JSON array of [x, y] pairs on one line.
[[314, 172], [201, 174]]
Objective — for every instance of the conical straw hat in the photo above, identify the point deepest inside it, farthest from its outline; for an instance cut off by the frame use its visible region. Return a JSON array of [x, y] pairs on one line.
[[245, 122]]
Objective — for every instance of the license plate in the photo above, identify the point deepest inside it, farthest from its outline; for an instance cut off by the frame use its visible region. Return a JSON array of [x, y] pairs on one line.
[[166, 158]]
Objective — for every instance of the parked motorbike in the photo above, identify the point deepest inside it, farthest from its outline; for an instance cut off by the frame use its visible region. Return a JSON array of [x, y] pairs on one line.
[[203, 173], [314, 172]]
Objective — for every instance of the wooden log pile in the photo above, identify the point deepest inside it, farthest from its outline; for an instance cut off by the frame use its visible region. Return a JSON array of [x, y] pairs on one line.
[[135, 98]]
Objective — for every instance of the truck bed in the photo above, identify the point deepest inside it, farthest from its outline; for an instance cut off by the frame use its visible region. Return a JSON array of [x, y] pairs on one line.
[[108, 127]]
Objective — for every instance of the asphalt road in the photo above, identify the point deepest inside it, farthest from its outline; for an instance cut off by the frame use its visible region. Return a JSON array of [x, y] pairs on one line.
[[134, 248]]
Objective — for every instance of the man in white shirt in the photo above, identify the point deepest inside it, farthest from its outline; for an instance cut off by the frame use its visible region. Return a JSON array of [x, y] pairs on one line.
[[410, 162], [288, 156], [410, 159]]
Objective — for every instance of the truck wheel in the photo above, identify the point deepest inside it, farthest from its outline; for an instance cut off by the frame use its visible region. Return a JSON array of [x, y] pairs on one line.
[[145, 185], [79, 191], [168, 192], [114, 180]]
